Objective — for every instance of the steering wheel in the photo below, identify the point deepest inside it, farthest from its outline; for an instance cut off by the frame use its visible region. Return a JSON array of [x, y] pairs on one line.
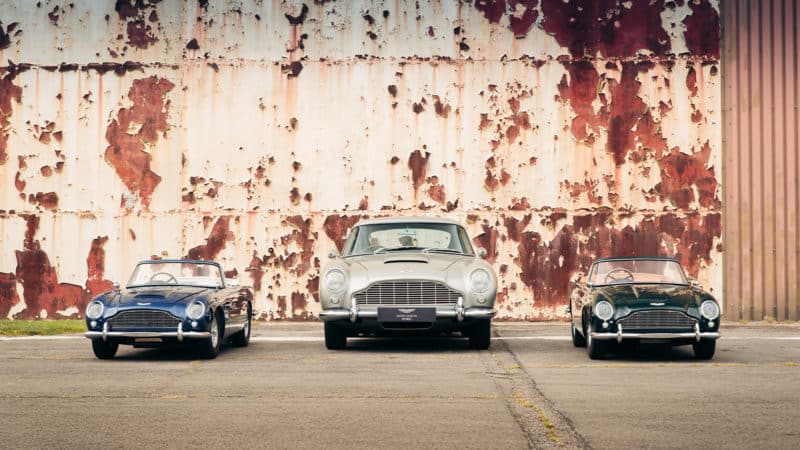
[[627, 275], [171, 278]]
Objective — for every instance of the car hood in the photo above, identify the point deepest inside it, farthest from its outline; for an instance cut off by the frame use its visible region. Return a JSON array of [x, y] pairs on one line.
[[157, 295], [388, 266], [648, 295]]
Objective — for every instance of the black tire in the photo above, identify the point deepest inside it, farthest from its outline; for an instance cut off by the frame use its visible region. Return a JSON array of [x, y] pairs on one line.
[[242, 338], [335, 337], [578, 340], [596, 349], [480, 335], [209, 348], [103, 349], [705, 348]]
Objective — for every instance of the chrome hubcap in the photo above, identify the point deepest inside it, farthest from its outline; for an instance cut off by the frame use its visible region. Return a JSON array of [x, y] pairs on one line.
[[214, 333]]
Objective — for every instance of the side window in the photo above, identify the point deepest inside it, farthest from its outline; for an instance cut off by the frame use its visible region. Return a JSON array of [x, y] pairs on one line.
[[347, 248]]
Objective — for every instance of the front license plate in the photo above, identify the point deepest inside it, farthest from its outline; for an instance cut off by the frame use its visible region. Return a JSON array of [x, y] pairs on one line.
[[406, 314], [147, 340]]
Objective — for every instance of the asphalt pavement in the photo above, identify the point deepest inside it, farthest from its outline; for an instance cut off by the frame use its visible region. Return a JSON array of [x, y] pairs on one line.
[[532, 389]]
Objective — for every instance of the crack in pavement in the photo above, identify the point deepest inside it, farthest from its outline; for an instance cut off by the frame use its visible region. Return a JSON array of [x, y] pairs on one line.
[[544, 425]]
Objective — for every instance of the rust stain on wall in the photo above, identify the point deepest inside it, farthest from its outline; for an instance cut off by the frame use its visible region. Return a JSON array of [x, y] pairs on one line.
[[126, 150], [138, 28], [681, 174], [702, 29], [41, 289], [337, 226], [612, 28], [418, 165], [8, 93], [220, 234], [96, 264]]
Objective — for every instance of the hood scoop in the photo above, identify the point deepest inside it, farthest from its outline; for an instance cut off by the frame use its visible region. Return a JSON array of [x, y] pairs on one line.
[[406, 259]]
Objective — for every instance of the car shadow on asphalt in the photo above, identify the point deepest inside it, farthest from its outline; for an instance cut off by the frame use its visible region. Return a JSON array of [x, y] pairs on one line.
[[407, 344], [173, 353], [651, 353]]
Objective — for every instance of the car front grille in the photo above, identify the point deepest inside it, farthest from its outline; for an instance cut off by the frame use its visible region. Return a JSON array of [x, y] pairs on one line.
[[143, 319], [407, 293], [657, 320]]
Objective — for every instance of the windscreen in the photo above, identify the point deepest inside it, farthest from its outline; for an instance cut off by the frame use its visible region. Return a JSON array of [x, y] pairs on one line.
[[411, 236], [637, 271], [175, 273]]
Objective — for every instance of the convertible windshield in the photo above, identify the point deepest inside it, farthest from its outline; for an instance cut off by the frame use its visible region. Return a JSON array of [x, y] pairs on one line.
[[645, 271], [408, 236], [159, 273]]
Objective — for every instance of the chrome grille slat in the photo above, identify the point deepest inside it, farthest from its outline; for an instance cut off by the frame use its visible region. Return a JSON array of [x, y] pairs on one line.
[[657, 320], [144, 319], [407, 293]]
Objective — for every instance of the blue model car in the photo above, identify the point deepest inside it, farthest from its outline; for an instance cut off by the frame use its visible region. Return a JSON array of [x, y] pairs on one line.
[[171, 302]]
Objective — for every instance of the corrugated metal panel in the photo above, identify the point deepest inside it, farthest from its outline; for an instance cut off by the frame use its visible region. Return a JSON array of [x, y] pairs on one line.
[[762, 195], [257, 133]]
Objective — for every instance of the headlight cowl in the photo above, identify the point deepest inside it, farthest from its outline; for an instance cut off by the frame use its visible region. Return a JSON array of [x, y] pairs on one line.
[[94, 310], [335, 281], [603, 310], [480, 281], [196, 310], [709, 309]]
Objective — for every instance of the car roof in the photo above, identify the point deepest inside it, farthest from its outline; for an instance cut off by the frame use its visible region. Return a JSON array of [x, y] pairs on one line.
[[407, 219], [627, 258]]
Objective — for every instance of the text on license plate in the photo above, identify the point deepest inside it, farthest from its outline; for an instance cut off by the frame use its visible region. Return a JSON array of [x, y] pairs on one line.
[[406, 314]]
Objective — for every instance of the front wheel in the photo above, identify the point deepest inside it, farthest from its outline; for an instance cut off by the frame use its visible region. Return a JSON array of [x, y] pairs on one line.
[[242, 338], [705, 348], [578, 340], [209, 348], [335, 337], [596, 349], [480, 335], [103, 349]]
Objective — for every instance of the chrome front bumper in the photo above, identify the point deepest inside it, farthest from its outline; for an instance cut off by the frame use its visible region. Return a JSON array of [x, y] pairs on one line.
[[620, 335], [459, 312], [179, 334]]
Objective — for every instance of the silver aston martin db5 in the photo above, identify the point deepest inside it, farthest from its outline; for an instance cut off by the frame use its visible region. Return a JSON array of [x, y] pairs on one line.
[[408, 274]]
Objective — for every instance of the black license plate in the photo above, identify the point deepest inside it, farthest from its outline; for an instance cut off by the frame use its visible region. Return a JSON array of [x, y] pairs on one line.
[[406, 314]]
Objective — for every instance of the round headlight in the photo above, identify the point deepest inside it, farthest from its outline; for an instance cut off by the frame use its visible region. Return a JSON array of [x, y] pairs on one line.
[[334, 280], [603, 310], [94, 310], [480, 281], [709, 309], [196, 310]]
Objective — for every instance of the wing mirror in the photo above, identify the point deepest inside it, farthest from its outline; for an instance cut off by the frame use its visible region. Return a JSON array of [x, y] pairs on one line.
[[481, 253], [333, 254], [115, 285], [694, 283]]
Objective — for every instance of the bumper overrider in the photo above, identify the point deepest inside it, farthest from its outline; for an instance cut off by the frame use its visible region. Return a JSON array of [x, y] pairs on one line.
[[621, 335], [178, 334], [355, 313]]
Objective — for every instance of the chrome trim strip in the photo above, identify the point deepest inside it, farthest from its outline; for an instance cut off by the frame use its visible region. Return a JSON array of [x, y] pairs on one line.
[[619, 336], [344, 314], [138, 334]]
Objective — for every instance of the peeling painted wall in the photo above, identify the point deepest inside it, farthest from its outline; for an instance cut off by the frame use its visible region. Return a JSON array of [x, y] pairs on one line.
[[258, 133]]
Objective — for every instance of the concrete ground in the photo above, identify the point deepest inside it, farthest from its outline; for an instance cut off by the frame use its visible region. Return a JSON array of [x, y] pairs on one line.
[[532, 389]]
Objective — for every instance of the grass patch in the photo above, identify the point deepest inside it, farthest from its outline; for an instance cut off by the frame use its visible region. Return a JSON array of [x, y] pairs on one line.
[[40, 327]]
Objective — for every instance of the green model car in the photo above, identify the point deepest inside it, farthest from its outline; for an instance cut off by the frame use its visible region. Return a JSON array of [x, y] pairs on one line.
[[642, 299]]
